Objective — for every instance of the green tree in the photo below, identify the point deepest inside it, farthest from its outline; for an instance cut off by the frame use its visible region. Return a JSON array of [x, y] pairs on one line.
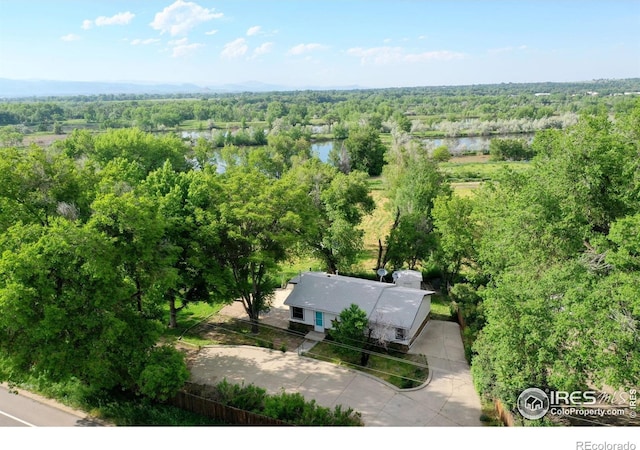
[[164, 373], [67, 311], [366, 150], [38, 184], [349, 330], [137, 231], [441, 154], [456, 233], [258, 228], [146, 149], [557, 243], [10, 136], [78, 143], [509, 149], [189, 204], [340, 131], [413, 185], [334, 206]]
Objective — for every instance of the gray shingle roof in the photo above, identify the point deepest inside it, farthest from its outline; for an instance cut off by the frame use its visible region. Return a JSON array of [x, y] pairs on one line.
[[383, 302]]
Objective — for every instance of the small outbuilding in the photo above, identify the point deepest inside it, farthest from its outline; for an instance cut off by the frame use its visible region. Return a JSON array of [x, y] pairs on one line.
[[396, 313]]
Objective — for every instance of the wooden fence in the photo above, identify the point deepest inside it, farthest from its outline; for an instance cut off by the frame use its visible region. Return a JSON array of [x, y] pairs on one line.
[[223, 413], [503, 413]]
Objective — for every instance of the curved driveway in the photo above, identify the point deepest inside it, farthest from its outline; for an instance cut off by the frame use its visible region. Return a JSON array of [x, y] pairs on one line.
[[447, 399]]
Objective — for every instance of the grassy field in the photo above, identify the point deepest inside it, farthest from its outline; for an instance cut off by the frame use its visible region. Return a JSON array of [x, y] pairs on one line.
[[465, 188], [375, 225], [477, 168]]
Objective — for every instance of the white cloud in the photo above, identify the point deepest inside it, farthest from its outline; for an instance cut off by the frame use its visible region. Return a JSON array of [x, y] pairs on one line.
[[235, 49], [212, 32], [253, 30], [306, 48], [119, 19], [185, 50], [182, 41], [263, 49], [181, 47], [144, 41], [495, 51], [122, 18], [438, 55], [181, 16], [70, 37], [390, 55]]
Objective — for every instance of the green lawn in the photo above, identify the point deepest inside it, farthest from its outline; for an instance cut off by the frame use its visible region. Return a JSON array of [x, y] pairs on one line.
[[188, 319], [440, 307], [400, 369]]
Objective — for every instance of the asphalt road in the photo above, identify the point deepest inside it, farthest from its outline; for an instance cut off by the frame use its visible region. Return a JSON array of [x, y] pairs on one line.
[[27, 410]]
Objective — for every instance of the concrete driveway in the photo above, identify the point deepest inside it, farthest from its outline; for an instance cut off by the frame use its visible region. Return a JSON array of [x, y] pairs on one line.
[[447, 399]]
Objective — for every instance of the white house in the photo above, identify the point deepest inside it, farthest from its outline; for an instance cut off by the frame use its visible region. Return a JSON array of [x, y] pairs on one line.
[[396, 313]]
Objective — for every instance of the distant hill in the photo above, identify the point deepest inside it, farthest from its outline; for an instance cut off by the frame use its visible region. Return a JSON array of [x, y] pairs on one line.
[[10, 88], [45, 88]]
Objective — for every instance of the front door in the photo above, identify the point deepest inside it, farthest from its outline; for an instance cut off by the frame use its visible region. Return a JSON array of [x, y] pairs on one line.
[[319, 324]]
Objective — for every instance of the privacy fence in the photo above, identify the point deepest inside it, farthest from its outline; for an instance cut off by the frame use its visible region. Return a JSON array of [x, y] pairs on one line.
[[220, 412]]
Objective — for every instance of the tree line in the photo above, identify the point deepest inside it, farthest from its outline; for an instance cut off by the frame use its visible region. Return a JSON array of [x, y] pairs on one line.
[[429, 106]]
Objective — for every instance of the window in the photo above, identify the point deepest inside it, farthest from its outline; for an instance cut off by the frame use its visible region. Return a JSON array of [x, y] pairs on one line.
[[401, 334], [297, 313]]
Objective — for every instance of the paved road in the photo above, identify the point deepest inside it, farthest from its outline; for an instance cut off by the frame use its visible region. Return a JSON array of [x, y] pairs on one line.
[[28, 410], [448, 398]]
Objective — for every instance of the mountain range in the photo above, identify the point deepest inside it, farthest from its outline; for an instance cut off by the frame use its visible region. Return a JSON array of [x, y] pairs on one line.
[[10, 88]]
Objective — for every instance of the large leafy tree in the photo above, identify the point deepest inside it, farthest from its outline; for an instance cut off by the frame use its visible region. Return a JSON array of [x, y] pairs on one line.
[[37, 184], [137, 231], [333, 208], [413, 182], [365, 149], [456, 233], [259, 226], [189, 205], [67, 310], [134, 145]]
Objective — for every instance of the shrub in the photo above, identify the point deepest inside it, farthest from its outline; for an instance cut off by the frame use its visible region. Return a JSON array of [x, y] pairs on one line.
[[287, 407], [164, 374], [249, 398]]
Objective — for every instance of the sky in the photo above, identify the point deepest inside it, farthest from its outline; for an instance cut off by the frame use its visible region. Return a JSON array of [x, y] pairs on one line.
[[320, 43]]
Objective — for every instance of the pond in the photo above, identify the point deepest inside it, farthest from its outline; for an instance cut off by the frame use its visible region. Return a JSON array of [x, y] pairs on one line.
[[456, 145], [322, 149]]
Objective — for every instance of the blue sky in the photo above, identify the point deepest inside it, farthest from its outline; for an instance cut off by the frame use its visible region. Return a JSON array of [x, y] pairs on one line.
[[374, 43]]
